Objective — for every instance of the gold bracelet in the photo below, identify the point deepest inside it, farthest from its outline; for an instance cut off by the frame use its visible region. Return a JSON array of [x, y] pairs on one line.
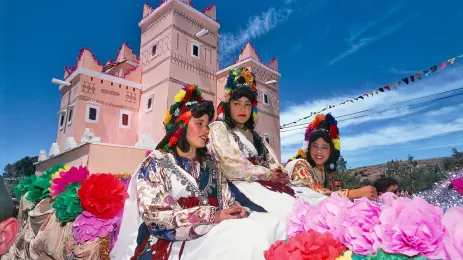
[[346, 193]]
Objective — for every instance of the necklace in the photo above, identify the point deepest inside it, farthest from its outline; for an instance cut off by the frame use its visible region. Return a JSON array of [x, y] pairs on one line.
[[318, 178]]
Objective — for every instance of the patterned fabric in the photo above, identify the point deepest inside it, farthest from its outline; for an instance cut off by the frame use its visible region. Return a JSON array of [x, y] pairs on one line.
[[162, 182], [233, 159], [302, 174]]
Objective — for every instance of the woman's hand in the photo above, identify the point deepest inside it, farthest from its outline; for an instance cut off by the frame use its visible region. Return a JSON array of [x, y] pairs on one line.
[[367, 191], [230, 213], [278, 175]]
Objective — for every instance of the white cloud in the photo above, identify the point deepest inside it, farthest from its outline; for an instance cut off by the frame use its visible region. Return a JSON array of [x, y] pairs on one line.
[[257, 26], [394, 130]]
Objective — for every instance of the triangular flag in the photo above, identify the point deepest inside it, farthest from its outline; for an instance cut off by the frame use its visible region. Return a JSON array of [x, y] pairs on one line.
[[426, 72], [412, 78], [434, 68], [323, 109], [405, 80], [366, 95], [443, 65], [381, 89], [418, 75], [393, 85], [376, 92], [387, 87], [360, 97], [399, 83], [451, 61], [350, 100], [371, 93]]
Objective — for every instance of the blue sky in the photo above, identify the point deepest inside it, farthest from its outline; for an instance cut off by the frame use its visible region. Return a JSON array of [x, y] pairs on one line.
[[328, 51]]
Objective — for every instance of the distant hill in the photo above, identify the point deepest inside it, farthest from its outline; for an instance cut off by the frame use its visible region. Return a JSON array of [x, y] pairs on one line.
[[373, 171]]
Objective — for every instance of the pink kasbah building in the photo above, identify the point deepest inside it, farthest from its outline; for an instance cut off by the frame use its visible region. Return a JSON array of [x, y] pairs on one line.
[[110, 114]]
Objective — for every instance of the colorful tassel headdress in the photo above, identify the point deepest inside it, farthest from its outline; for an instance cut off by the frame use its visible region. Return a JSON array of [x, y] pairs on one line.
[[320, 123], [178, 116], [239, 78]]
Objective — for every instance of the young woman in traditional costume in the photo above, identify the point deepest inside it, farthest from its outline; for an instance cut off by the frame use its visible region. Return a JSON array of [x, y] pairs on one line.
[[315, 162], [186, 208], [256, 177]]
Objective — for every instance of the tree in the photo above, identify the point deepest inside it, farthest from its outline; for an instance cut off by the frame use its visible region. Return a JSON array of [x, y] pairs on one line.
[[13, 173], [346, 176]]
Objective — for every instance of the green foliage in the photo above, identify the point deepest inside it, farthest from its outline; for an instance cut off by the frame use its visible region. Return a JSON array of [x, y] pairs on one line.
[[347, 177], [14, 173]]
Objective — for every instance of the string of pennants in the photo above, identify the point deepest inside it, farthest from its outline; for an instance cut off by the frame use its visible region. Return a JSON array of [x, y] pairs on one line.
[[405, 81]]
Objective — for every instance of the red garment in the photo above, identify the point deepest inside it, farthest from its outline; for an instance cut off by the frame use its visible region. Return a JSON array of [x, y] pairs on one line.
[[278, 187]]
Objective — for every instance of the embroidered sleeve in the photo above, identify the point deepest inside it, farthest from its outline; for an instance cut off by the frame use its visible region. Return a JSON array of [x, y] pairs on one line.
[[302, 174], [163, 216], [234, 166], [273, 160]]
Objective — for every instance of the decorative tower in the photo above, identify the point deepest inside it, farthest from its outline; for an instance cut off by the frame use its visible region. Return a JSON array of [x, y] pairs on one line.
[[178, 47], [103, 100], [267, 75]]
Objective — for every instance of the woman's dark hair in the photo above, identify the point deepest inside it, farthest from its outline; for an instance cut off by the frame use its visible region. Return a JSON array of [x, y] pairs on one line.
[[235, 95], [382, 184], [205, 107], [330, 164]]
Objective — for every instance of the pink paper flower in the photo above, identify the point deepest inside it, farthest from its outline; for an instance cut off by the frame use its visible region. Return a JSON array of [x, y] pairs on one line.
[[453, 238], [87, 227], [458, 185], [72, 175], [411, 227], [297, 222], [329, 215], [387, 198], [360, 221]]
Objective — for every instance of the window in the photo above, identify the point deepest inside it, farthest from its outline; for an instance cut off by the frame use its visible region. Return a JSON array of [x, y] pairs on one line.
[[70, 113], [92, 113], [149, 103], [154, 49], [124, 119], [195, 50], [267, 138], [266, 98], [62, 118]]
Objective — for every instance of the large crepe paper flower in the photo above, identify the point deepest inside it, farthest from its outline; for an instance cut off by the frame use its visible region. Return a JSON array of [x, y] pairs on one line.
[[103, 195], [38, 190], [23, 186], [347, 255], [297, 221], [387, 198], [458, 185], [73, 175], [306, 245], [360, 221], [329, 215], [411, 227], [56, 174], [453, 238], [67, 204], [381, 255], [87, 227]]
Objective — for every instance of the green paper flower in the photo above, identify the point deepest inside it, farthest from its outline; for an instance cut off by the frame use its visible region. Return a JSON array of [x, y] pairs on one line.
[[23, 186], [381, 255], [38, 190], [358, 257], [67, 203]]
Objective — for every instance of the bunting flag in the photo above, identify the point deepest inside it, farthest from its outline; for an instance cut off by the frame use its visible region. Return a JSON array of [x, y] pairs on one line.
[[393, 85], [443, 65], [418, 75]]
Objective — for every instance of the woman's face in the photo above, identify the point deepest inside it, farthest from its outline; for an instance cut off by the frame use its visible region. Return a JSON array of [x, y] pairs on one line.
[[197, 131], [320, 152], [240, 110]]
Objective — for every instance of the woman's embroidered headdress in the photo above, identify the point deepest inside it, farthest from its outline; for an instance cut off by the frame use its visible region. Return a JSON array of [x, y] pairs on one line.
[[239, 78], [178, 116], [320, 123]]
